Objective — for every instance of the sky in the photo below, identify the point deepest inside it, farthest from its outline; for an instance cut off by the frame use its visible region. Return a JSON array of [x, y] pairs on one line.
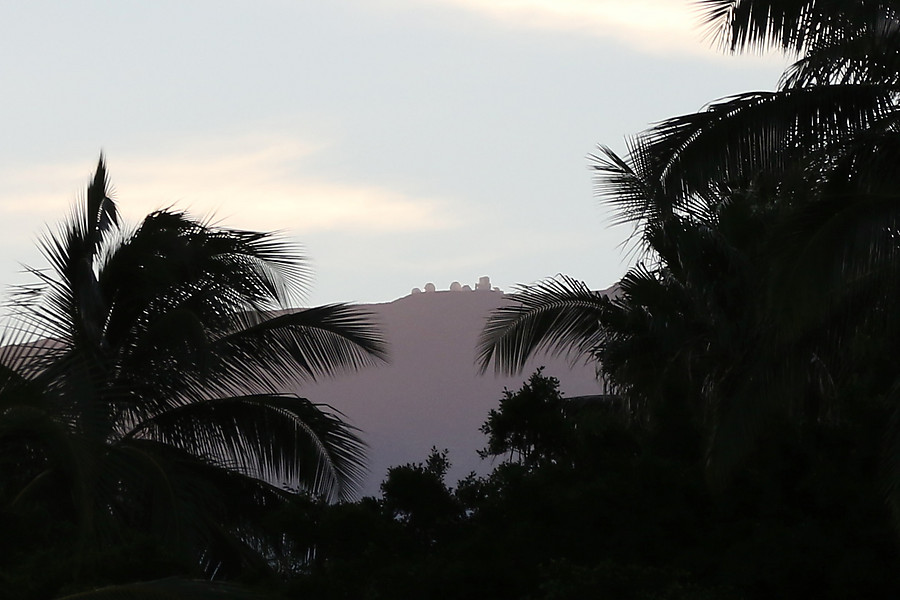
[[399, 142]]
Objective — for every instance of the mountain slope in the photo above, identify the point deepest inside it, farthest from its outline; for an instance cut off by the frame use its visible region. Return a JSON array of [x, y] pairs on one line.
[[431, 393]]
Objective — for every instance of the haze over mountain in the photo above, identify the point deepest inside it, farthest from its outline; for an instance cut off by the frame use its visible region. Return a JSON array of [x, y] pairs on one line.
[[431, 393]]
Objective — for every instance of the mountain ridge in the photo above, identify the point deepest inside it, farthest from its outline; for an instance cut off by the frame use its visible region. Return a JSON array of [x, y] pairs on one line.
[[431, 393]]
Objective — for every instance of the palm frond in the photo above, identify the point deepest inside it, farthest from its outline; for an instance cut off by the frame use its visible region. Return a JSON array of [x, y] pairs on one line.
[[762, 132], [282, 439], [792, 26], [212, 512], [561, 315], [627, 183], [172, 261], [70, 292], [843, 247], [865, 57], [101, 214], [299, 345]]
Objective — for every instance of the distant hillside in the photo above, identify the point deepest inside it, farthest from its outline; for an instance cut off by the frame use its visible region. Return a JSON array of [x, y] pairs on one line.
[[431, 393]]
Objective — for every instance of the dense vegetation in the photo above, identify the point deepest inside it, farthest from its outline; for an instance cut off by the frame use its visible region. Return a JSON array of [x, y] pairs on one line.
[[143, 431], [587, 504], [756, 339], [749, 446]]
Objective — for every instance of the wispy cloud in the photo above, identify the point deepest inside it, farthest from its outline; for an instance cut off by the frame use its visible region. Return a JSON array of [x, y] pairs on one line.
[[654, 26], [248, 182]]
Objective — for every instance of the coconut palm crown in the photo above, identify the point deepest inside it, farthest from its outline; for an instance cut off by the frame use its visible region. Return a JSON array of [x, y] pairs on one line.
[[143, 376]]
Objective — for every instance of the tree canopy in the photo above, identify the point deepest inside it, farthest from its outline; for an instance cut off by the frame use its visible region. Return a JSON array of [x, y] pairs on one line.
[[767, 227], [141, 396]]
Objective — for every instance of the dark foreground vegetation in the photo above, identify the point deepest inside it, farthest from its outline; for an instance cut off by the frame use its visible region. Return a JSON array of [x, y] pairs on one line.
[[756, 341], [582, 502], [749, 446], [143, 428], [585, 504]]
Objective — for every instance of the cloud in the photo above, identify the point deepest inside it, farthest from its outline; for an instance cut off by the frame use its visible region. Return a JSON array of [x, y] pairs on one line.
[[253, 182], [654, 26]]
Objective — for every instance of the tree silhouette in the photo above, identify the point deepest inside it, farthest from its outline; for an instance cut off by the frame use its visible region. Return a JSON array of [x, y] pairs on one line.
[[767, 225], [530, 425], [141, 385]]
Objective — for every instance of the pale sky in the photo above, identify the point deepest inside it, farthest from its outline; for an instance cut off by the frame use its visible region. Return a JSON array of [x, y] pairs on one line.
[[400, 141]]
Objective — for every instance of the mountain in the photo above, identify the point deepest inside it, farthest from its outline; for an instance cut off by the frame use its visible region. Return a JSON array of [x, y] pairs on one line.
[[431, 393]]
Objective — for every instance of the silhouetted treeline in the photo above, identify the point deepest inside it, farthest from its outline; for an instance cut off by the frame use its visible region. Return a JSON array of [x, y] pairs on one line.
[[609, 510], [750, 446]]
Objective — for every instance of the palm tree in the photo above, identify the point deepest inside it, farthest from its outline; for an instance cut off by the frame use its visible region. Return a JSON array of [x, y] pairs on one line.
[[142, 377], [809, 168], [833, 120], [677, 338]]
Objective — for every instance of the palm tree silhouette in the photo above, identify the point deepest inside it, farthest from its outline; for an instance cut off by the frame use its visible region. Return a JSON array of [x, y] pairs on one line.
[[768, 227], [141, 383]]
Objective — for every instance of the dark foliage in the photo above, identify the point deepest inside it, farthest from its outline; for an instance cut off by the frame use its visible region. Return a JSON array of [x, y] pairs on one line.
[[142, 429], [624, 518]]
